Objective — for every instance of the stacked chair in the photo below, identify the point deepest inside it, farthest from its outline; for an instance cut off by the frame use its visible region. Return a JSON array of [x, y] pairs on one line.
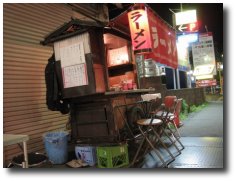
[[155, 129], [169, 113]]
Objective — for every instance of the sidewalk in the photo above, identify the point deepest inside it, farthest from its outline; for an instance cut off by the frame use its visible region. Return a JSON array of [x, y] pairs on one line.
[[202, 135], [208, 122]]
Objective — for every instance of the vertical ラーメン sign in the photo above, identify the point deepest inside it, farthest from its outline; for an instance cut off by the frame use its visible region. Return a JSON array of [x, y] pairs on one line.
[[152, 36], [139, 28]]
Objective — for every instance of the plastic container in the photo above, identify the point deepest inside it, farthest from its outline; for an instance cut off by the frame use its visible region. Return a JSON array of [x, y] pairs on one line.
[[112, 156], [86, 153], [56, 147], [34, 160]]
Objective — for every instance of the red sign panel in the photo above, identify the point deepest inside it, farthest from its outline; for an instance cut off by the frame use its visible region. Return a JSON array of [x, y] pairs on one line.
[[163, 41], [193, 27], [140, 34], [151, 34], [206, 83]]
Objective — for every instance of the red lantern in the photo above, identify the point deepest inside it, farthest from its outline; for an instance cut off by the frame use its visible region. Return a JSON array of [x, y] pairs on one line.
[[139, 28]]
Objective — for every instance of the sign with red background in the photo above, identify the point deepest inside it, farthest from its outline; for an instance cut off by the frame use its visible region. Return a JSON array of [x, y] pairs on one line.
[[206, 83], [139, 29], [150, 34], [163, 41]]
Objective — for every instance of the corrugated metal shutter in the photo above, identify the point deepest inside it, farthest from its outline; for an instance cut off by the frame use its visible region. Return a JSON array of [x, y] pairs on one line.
[[24, 61]]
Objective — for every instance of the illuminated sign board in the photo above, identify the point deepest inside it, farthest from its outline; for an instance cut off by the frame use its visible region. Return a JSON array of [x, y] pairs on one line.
[[139, 28], [183, 60], [203, 69], [204, 55], [183, 42], [152, 36], [118, 56], [206, 83], [187, 38], [186, 21], [192, 27], [185, 17]]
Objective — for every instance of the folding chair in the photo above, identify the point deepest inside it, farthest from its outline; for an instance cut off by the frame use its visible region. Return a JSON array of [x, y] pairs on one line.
[[150, 131], [169, 113], [173, 118]]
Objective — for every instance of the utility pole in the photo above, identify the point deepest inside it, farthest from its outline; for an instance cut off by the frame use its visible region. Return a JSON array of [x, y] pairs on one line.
[[206, 28], [181, 7], [173, 24], [175, 72], [219, 67], [221, 92]]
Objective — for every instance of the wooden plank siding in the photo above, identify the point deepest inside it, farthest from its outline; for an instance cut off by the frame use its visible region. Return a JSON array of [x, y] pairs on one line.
[[24, 61]]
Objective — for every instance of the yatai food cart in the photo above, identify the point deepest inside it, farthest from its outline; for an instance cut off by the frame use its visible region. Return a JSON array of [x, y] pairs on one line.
[[102, 71]]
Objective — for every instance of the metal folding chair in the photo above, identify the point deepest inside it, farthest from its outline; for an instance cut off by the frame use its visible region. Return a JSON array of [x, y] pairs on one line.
[[150, 129], [169, 113], [174, 117]]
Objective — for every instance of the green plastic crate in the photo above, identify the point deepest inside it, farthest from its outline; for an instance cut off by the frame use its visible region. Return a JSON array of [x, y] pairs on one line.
[[112, 156]]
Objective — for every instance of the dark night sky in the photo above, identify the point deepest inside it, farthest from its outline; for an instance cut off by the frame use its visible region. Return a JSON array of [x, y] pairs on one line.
[[209, 14]]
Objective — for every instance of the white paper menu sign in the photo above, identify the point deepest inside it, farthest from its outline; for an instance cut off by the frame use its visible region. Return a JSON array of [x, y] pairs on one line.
[[72, 54], [75, 75], [74, 71], [118, 56]]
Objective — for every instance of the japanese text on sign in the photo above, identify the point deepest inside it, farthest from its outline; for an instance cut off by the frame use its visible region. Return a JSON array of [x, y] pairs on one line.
[[75, 75], [118, 56], [72, 54], [163, 41], [203, 51], [139, 28]]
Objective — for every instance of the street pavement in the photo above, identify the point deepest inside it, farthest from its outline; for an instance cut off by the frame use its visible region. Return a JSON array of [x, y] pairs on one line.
[[202, 136], [206, 123]]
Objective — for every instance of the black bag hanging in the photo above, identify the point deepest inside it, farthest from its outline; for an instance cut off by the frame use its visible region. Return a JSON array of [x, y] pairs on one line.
[[54, 99]]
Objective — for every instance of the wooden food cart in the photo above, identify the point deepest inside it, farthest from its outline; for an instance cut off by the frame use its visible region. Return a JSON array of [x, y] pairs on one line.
[[100, 67], [97, 75]]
